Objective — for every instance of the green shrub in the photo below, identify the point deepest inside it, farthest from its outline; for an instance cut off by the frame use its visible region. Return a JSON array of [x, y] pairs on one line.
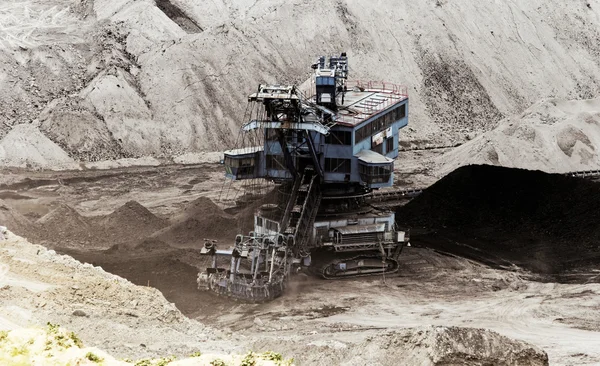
[[249, 359], [94, 358], [217, 362]]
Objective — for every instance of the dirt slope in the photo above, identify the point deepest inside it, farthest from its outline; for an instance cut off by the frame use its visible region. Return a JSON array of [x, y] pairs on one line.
[[546, 223], [141, 79], [554, 136], [12, 219], [107, 311]]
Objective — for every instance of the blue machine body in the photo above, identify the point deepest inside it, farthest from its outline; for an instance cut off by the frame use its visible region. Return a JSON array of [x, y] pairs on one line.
[[351, 130]]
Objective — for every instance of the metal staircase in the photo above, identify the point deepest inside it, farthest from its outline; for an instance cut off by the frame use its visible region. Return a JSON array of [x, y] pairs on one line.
[[303, 208]]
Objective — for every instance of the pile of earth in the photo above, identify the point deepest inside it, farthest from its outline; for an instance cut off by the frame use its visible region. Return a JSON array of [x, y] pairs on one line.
[[545, 223], [64, 227], [554, 136], [198, 220], [12, 219], [130, 226], [435, 346], [134, 243], [130, 223]]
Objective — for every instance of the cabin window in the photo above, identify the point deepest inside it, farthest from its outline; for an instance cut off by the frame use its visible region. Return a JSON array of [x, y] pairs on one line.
[[271, 134], [236, 162], [335, 165], [389, 144], [377, 148], [339, 138], [325, 80], [380, 123], [375, 174], [271, 225]]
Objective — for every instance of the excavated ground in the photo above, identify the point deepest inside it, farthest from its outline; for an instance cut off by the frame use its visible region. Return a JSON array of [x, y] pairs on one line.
[[167, 205]]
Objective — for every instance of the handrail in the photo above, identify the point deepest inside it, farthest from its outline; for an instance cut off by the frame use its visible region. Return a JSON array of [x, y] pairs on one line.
[[379, 85]]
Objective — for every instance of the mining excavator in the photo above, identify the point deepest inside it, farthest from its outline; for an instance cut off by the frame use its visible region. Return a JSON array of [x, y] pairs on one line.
[[328, 146]]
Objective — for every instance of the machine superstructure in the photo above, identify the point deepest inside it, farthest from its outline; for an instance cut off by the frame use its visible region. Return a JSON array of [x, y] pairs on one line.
[[327, 149]]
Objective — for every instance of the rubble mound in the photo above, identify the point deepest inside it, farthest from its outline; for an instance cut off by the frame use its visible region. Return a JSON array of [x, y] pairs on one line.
[[546, 223], [76, 127], [65, 226], [554, 136], [433, 346], [131, 222], [13, 220], [200, 219], [456, 346]]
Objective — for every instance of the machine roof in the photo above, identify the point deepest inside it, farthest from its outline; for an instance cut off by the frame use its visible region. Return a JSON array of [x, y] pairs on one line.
[[371, 157], [361, 105], [244, 151]]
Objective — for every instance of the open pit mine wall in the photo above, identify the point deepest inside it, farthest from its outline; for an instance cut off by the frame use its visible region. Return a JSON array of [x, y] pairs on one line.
[[173, 78]]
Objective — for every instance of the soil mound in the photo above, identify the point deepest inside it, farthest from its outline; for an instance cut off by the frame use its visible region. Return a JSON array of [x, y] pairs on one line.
[[64, 224], [200, 219], [457, 346], [14, 221], [131, 222], [547, 223], [151, 245], [93, 302], [554, 136]]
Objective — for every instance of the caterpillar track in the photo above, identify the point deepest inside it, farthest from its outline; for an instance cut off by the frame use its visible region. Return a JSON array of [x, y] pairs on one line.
[[332, 266]]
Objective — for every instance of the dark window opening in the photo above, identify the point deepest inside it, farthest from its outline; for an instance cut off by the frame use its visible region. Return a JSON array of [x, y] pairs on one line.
[[339, 138], [378, 148], [236, 162], [375, 174], [271, 134], [389, 144], [380, 123], [334, 165], [271, 225]]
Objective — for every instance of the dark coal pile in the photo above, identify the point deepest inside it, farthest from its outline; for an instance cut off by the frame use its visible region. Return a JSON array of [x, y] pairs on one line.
[[200, 219], [546, 223]]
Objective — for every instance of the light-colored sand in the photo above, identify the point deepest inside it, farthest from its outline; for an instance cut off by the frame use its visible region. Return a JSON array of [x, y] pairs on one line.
[[554, 136], [151, 87], [26, 146], [40, 286]]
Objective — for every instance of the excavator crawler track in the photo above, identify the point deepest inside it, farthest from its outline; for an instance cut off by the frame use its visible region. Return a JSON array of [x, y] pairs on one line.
[[348, 265]]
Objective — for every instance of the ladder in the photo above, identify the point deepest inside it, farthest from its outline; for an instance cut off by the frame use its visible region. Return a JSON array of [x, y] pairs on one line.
[[304, 209]]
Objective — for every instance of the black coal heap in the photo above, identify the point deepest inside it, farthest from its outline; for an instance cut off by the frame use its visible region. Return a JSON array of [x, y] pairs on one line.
[[547, 223]]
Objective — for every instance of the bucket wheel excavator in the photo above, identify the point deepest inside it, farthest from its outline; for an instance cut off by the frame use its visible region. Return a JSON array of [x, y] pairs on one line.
[[327, 147]]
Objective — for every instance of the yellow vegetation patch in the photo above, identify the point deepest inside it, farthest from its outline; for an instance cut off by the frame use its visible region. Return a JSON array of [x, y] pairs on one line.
[[54, 345]]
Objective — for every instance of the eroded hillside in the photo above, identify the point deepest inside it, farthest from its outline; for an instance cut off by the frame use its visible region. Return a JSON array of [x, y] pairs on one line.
[[108, 79]]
